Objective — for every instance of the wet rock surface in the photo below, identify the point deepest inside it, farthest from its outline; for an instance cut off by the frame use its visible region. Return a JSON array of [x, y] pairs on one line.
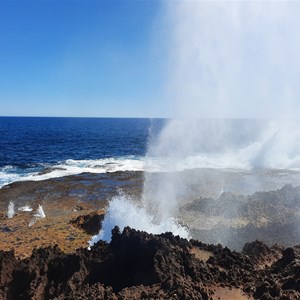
[[234, 220], [93, 189], [276, 205], [137, 265], [212, 214], [74, 208]]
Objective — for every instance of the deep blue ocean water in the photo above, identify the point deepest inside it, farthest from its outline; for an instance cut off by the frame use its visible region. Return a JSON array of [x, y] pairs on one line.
[[30, 144], [42, 148]]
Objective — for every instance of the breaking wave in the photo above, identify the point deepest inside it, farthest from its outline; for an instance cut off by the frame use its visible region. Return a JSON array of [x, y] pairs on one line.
[[10, 174], [216, 144]]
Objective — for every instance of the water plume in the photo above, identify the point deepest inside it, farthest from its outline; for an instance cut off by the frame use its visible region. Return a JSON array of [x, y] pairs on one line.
[[123, 211], [232, 88], [233, 59], [232, 69], [39, 214], [25, 208], [11, 210]]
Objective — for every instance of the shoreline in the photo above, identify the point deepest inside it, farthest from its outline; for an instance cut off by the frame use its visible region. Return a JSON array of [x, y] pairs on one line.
[[63, 200], [230, 219], [52, 255]]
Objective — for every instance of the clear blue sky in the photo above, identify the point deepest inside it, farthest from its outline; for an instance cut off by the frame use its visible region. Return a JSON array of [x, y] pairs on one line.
[[149, 58], [81, 58]]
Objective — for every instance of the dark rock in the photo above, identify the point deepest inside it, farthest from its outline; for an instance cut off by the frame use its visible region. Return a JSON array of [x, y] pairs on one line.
[[90, 223], [137, 265], [256, 249], [5, 229]]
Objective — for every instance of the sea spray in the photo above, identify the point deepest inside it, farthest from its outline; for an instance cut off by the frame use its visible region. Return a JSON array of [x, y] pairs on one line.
[[231, 143], [11, 210], [225, 60], [25, 208], [219, 144], [123, 211], [228, 60], [39, 214], [233, 59]]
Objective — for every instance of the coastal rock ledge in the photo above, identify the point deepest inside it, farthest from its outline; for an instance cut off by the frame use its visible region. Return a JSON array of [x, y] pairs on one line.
[[138, 265]]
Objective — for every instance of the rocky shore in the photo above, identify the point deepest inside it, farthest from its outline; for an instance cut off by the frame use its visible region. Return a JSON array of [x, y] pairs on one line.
[[73, 205], [137, 265], [50, 259]]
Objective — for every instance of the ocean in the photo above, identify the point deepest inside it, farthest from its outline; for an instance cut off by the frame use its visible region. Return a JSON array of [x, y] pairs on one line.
[[38, 148], [35, 149]]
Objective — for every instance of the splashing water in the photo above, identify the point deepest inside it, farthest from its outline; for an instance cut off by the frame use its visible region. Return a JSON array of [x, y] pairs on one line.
[[25, 208], [122, 211], [40, 212], [10, 210], [240, 62]]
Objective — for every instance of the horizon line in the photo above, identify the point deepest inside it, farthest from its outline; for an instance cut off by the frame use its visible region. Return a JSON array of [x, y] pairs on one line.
[[81, 117]]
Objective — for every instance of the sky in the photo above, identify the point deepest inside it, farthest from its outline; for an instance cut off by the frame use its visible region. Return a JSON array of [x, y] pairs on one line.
[[81, 58], [150, 58]]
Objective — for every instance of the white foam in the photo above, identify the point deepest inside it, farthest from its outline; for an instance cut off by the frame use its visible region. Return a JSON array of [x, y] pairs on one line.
[[122, 212], [218, 144], [25, 208], [7, 178], [74, 167], [10, 174]]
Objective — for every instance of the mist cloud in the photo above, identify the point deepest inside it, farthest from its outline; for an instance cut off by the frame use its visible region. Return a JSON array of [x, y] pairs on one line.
[[233, 58], [227, 59]]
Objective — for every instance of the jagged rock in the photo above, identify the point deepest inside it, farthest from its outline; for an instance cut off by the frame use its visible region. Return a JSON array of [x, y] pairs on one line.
[[138, 265], [90, 223]]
